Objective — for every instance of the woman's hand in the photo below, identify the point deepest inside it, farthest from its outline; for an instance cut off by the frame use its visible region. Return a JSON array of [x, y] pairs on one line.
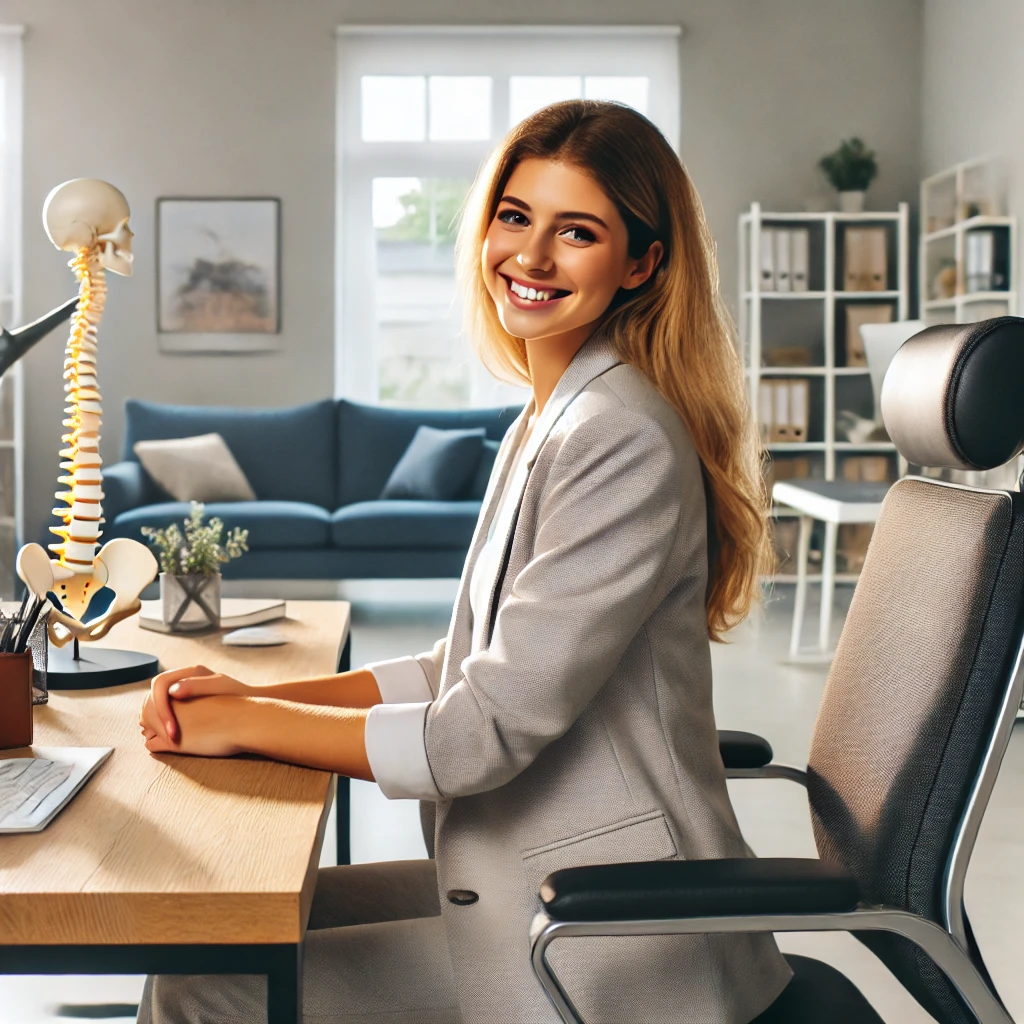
[[211, 727], [184, 683]]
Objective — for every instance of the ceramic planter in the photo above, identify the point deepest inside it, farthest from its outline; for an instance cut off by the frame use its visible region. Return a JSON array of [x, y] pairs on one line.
[[851, 202], [190, 603]]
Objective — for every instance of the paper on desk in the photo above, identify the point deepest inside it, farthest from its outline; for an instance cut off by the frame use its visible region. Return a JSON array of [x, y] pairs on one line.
[[84, 761]]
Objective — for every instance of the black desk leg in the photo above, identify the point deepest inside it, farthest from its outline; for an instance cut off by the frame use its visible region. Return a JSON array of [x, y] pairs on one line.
[[342, 804], [284, 987]]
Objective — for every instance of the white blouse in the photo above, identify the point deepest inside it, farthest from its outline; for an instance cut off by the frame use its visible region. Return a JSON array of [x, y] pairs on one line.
[[488, 561]]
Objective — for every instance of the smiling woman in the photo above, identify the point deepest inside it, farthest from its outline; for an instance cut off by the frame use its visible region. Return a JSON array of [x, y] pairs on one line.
[[566, 718]]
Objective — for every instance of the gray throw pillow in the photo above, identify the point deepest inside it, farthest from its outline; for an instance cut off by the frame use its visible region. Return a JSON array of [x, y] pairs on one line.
[[198, 468], [437, 465], [478, 487]]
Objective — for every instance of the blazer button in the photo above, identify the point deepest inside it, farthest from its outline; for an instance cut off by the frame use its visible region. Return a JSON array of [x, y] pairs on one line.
[[462, 897]]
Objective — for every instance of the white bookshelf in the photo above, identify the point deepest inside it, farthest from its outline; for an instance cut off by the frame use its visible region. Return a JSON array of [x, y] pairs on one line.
[[825, 260], [819, 314], [968, 197]]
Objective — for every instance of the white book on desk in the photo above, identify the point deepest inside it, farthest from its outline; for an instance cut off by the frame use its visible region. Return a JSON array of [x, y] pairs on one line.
[[235, 613], [83, 761]]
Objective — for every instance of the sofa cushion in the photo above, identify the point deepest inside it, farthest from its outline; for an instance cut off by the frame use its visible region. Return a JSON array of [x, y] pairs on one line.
[[405, 524], [372, 438], [271, 524], [286, 454], [437, 465], [195, 468]]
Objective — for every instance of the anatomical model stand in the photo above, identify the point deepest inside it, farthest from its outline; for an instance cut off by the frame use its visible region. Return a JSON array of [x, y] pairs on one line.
[[88, 590]]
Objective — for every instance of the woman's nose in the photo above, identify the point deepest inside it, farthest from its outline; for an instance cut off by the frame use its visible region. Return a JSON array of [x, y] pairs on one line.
[[534, 257]]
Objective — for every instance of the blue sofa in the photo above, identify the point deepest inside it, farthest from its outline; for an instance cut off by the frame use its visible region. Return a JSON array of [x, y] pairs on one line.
[[317, 471]]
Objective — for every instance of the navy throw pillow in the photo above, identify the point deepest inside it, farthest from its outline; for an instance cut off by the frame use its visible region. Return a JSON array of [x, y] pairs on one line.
[[478, 487], [437, 465]]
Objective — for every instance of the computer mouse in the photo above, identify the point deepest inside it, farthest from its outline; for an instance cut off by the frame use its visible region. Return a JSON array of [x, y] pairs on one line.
[[254, 636]]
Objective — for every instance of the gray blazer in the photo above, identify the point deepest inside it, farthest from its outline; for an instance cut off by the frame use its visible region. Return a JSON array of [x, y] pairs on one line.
[[582, 732]]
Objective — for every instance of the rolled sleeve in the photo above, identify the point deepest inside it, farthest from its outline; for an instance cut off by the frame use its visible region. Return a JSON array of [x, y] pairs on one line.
[[401, 680], [397, 752]]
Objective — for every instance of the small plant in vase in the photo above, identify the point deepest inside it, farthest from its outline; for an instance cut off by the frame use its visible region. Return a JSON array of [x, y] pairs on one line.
[[190, 562], [850, 170]]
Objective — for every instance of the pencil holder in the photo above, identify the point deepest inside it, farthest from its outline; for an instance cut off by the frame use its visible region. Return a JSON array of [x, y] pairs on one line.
[[39, 647], [15, 700]]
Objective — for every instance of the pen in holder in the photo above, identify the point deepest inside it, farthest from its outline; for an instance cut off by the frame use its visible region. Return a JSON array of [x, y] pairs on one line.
[[15, 700]]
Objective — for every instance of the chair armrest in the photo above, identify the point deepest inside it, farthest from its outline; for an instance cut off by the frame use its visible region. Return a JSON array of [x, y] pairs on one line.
[[124, 487], [743, 749], [663, 890]]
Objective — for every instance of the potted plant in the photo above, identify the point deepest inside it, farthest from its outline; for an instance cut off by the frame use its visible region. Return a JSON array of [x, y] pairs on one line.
[[190, 562], [850, 169]]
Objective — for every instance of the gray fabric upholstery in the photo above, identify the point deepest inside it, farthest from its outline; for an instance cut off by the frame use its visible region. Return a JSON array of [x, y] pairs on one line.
[[911, 698]]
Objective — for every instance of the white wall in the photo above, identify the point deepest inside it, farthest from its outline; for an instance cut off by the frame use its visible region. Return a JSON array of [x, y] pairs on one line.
[[236, 97], [973, 93]]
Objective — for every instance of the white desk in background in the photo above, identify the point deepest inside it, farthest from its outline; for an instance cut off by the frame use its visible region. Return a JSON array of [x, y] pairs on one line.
[[833, 502]]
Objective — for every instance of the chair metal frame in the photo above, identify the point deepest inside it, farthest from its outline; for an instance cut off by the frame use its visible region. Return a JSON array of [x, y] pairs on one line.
[[946, 945]]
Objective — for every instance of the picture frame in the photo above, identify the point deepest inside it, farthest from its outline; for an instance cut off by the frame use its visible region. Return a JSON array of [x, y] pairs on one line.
[[218, 273]]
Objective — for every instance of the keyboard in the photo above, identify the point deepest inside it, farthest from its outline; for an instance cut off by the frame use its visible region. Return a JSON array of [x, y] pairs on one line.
[[25, 782]]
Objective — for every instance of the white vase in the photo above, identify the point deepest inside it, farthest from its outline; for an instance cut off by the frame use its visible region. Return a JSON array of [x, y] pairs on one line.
[[852, 202], [190, 603]]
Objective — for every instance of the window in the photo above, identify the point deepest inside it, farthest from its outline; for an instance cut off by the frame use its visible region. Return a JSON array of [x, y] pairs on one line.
[[418, 111]]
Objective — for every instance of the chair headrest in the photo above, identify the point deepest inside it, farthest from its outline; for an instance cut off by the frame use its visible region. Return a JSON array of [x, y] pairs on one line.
[[954, 395]]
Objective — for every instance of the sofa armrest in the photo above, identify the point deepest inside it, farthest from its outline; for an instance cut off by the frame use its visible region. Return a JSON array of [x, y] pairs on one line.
[[662, 890], [124, 487]]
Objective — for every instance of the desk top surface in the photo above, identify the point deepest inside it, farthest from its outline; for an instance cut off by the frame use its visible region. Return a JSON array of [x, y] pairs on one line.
[[167, 848]]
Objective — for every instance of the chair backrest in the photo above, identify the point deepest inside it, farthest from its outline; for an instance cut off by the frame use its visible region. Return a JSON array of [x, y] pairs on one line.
[[918, 687]]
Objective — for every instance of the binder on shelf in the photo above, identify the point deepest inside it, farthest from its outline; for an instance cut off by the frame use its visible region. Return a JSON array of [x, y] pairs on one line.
[[857, 314], [799, 400], [865, 261], [866, 468], [788, 401], [780, 410], [800, 245], [980, 261], [767, 259], [783, 281], [765, 409]]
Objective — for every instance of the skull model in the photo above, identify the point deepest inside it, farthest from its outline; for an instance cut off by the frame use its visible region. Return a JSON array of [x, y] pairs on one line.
[[90, 219]]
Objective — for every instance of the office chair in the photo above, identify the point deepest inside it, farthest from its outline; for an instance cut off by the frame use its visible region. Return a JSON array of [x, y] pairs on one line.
[[913, 724]]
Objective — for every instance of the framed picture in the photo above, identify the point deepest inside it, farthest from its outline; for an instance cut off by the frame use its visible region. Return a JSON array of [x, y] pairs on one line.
[[218, 274]]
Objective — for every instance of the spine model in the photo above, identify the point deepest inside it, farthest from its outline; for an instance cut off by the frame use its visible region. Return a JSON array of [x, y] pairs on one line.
[[82, 512]]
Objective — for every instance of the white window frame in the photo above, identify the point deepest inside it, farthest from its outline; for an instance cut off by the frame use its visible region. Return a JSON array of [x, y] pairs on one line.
[[497, 51]]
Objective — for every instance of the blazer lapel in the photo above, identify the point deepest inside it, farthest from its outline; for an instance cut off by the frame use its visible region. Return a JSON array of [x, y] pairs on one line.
[[596, 356]]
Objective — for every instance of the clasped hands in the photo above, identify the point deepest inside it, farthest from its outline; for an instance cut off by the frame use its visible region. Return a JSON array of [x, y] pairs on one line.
[[194, 710]]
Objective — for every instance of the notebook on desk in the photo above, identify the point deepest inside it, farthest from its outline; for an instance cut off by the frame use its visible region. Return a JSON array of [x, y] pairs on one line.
[[33, 790]]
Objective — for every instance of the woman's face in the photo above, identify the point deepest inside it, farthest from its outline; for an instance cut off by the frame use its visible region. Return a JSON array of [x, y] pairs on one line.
[[556, 251]]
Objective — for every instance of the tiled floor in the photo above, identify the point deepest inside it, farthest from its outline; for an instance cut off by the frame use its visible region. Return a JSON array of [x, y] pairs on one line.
[[754, 691]]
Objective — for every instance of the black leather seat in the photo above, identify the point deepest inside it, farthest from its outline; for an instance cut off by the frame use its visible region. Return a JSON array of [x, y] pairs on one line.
[[818, 994]]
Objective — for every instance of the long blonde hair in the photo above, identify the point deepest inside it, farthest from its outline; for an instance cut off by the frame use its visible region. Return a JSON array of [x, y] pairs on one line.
[[674, 328]]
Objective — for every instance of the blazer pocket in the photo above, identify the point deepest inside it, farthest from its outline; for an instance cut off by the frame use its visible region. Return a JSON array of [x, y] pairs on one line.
[[637, 838]]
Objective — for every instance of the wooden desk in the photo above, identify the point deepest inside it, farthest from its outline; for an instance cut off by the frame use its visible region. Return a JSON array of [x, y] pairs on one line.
[[172, 864]]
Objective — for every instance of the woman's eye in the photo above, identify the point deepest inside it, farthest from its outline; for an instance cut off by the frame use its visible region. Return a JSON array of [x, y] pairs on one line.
[[578, 234], [512, 217]]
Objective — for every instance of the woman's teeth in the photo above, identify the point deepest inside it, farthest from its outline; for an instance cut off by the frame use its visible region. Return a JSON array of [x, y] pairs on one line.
[[530, 294]]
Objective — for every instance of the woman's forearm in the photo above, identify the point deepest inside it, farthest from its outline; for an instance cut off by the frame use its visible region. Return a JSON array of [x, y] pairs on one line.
[[329, 738], [356, 689]]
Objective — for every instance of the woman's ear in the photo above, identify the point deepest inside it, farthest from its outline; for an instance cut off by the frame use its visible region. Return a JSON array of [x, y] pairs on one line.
[[641, 269]]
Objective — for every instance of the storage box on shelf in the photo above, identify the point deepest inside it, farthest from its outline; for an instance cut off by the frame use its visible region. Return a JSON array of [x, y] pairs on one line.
[[807, 283], [968, 245]]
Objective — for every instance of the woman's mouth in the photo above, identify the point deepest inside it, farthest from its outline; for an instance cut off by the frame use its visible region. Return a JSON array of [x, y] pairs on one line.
[[524, 296]]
